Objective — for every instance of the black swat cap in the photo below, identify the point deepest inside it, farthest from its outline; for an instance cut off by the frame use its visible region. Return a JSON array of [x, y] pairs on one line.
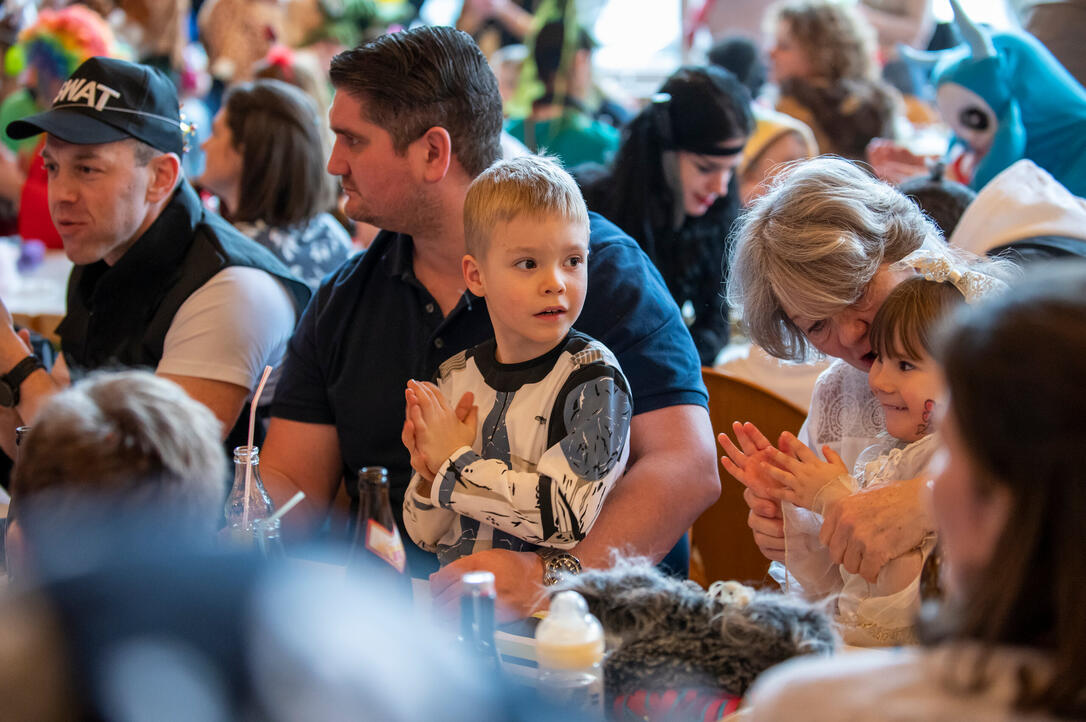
[[106, 100]]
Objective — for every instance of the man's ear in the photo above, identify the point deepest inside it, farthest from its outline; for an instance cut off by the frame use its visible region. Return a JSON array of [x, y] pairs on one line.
[[165, 170], [435, 149], [473, 275]]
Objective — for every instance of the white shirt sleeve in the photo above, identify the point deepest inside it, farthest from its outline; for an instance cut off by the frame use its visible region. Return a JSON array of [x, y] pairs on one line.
[[230, 328], [425, 523]]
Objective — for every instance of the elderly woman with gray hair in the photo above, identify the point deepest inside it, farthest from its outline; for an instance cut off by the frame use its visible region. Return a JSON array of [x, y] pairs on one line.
[[811, 265]]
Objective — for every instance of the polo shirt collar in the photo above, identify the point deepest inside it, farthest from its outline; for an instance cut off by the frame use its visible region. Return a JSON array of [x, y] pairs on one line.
[[398, 258]]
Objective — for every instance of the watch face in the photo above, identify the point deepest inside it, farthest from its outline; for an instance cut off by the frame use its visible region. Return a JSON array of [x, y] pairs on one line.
[[559, 566]]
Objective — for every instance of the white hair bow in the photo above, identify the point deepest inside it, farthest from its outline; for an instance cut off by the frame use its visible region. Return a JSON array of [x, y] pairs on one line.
[[973, 285]]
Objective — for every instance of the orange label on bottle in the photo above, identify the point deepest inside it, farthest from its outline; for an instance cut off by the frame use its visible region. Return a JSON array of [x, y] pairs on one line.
[[386, 545]]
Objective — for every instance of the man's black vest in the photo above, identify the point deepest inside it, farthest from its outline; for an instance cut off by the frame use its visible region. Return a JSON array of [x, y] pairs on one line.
[[118, 315]]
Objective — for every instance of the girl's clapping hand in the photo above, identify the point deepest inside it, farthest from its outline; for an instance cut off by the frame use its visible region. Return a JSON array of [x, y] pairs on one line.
[[799, 474]]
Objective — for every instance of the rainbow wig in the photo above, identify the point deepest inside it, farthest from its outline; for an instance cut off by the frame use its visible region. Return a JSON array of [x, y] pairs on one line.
[[61, 40]]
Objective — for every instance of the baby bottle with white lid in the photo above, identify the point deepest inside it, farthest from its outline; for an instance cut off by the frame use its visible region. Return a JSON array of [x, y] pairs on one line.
[[569, 650]]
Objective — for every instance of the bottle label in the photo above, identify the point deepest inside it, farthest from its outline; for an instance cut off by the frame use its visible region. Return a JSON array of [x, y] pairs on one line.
[[386, 544]]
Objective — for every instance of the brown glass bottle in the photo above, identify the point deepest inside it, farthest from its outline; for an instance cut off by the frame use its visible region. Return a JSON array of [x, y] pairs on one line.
[[377, 541]]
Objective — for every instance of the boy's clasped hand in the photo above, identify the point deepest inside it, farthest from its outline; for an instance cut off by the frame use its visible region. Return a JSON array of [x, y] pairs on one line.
[[433, 429]]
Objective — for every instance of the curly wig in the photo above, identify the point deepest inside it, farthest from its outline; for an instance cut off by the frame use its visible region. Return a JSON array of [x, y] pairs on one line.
[[837, 41]]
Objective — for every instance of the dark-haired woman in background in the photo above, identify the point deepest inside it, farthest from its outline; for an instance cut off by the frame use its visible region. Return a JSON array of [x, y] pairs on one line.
[[265, 161], [672, 188]]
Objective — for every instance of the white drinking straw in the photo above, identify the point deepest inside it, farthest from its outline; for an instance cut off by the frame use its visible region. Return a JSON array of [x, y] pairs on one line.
[[294, 501], [249, 456]]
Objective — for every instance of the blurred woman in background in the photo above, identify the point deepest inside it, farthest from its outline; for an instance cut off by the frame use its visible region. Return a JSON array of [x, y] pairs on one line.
[[265, 161], [822, 58]]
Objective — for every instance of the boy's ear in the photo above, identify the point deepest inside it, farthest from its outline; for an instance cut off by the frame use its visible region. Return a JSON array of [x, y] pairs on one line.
[[473, 275]]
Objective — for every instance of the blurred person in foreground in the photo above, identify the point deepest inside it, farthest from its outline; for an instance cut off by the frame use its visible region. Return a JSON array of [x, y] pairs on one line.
[[124, 610], [187, 633], [417, 115], [115, 450], [157, 282], [1009, 496]]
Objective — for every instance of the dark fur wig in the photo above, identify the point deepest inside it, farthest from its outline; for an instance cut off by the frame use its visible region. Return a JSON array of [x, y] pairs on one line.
[[664, 633]]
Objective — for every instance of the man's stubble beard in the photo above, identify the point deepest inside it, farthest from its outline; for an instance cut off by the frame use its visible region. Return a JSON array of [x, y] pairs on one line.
[[414, 214]]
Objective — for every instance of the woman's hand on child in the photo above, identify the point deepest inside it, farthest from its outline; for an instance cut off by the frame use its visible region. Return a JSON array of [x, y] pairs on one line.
[[864, 531], [438, 428], [799, 472]]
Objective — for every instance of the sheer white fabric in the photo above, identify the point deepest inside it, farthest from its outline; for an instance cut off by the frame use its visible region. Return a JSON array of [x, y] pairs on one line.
[[846, 416], [882, 613]]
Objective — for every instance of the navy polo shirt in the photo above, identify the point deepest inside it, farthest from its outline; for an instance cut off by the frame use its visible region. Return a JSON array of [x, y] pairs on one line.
[[372, 326]]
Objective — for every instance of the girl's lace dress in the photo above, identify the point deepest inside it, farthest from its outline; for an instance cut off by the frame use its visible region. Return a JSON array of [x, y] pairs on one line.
[[846, 416]]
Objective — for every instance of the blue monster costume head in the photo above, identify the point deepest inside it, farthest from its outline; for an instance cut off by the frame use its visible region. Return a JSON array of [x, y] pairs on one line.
[[1007, 97]]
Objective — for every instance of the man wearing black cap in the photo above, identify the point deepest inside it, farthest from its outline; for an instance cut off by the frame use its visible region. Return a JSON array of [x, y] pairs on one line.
[[158, 281]]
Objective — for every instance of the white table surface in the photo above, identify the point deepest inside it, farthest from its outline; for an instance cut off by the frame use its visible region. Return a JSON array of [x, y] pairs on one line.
[[42, 291]]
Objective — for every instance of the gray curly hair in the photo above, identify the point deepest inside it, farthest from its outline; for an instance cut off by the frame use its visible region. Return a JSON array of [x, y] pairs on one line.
[[130, 435]]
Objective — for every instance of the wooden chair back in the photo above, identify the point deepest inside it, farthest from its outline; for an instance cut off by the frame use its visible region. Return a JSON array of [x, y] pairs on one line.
[[722, 544]]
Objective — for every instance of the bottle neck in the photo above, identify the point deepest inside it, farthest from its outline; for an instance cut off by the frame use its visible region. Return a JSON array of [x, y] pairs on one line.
[[243, 477], [372, 487], [243, 453]]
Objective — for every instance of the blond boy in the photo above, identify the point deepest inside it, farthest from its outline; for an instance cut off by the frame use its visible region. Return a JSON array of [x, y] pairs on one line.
[[548, 435]]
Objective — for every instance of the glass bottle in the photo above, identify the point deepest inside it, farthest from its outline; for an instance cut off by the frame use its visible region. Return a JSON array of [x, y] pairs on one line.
[[477, 619], [241, 524], [376, 536]]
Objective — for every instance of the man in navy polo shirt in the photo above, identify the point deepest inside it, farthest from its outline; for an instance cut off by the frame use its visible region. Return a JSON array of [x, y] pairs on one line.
[[416, 117]]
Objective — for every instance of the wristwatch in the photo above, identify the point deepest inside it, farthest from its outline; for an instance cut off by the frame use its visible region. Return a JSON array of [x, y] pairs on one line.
[[12, 380], [557, 563]]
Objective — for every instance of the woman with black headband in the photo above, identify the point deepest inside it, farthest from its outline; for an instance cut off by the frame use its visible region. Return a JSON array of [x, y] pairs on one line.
[[672, 187]]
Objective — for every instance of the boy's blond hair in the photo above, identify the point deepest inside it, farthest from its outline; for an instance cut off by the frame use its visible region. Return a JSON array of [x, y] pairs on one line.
[[531, 185]]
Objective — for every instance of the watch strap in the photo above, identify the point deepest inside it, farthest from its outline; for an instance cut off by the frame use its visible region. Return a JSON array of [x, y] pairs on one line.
[[14, 378]]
